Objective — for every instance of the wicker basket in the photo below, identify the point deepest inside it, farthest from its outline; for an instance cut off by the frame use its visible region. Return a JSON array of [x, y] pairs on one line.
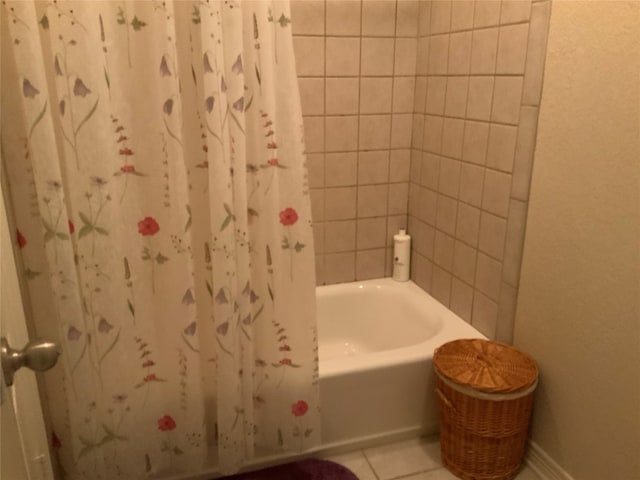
[[486, 397]]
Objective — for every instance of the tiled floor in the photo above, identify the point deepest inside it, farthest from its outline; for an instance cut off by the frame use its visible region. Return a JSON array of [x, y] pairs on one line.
[[415, 459]]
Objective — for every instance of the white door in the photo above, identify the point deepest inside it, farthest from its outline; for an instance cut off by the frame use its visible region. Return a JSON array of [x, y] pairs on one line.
[[23, 440]]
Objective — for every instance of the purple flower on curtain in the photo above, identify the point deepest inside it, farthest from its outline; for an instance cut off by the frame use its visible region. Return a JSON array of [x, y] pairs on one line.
[[223, 85], [223, 328], [237, 66], [187, 298], [164, 67], [207, 65], [28, 90], [73, 333], [221, 297], [61, 107], [208, 103], [239, 104], [80, 89], [191, 329], [104, 326], [168, 106], [56, 67]]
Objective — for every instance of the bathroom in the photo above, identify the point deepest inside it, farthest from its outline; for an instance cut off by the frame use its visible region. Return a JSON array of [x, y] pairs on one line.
[[427, 115]]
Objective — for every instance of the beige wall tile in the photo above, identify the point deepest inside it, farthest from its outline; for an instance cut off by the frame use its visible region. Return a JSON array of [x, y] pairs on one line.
[[377, 56], [315, 168], [436, 95], [440, 16], [441, 285], [401, 130], [343, 55], [421, 272], [340, 267], [373, 167], [398, 198], [371, 233], [432, 140], [407, 18], [424, 19], [341, 169], [317, 204], [514, 243], [480, 98], [515, 11], [420, 95], [444, 250], [523, 159], [415, 167], [376, 94], [341, 133], [452, 137], [375, 132], [342, 95], [507, 93], [449, 179], [468, 224], [492, 235], [340, 236], [447, 210], [314, 134], [438, 54], [461, 298], [394, 224], [430, 171], [484, 51], [512, 49], [378, 18], [506, 314], [340, 203], [372, 200], [320, 277], [422, 56], [471, 184], [405, 56], [495, 196], [423, 237], [488, 276], [318, 237], [536, 54], [370, 264], [464, 262], [307, 17], [312, 95], [403, 94], [459, 53], [462, 15], [487, 13], [343, 17], [502, 147], [417, 131], [427, 205], [309, 53], [485, 315], [476, 138], [456, 98]]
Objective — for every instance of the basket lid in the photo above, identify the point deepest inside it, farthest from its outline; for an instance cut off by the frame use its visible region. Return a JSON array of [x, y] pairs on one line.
[[485, 365]]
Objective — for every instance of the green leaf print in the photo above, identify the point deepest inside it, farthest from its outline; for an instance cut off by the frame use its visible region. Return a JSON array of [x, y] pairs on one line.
[[137, 24], [87, 116], [284, 21], [195, 15], [31, 274], [38, 118], [160, 259], [227, 220], [44, 21], [298, 247]]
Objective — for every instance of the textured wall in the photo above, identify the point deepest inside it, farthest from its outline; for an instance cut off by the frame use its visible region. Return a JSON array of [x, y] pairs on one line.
[[579, 304]]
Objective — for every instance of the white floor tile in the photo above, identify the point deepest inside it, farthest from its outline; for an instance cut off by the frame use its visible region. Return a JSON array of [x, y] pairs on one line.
[[404, 458], [527, 474], [439, 474], [357, 463]]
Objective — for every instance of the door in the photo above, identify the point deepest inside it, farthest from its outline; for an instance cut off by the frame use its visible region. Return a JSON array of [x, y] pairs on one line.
[[23, 441]]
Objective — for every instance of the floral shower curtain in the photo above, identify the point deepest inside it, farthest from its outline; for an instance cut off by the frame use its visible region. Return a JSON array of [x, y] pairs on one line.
[[154, 156]]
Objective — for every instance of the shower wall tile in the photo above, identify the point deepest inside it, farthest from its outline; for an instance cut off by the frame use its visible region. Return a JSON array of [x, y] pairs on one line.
[[477, 92], [343, 18]]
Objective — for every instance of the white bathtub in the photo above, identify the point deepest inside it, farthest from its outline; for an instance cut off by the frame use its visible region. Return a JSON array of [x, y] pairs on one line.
[[376, 341]]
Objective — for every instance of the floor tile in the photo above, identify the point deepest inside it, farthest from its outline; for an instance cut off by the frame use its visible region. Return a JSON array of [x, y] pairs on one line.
[[404, 458], [357, 463], [439, 474]]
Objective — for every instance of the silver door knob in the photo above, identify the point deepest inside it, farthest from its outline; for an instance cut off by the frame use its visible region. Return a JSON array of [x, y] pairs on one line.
[[38, 355]]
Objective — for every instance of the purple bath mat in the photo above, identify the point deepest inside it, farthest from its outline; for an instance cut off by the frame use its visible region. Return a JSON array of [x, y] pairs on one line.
[[309, 469]]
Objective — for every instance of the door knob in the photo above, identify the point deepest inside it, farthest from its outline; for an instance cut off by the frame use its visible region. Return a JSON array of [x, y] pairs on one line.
[[38, 355]]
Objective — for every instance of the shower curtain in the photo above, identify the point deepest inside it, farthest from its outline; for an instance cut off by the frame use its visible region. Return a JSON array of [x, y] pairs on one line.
[[153, 152]]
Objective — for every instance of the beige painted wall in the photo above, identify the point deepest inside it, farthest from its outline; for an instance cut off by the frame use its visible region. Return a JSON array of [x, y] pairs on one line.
[[578, 308]]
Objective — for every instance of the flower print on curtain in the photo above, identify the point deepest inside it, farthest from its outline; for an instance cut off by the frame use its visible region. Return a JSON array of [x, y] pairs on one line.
[[156, 168]]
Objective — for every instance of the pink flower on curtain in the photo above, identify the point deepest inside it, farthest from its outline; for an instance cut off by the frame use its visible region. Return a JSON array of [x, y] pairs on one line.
[[72, 227], [166, 423], [21, 240], [299, 408], [128, 169], [288, 217], [148, 226]]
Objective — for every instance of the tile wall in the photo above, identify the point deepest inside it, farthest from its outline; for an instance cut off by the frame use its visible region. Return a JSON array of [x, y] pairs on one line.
[[356, 65], [478, 87], [423, 114]]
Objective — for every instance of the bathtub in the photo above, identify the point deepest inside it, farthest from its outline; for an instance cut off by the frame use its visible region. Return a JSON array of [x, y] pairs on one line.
[[376, 340]]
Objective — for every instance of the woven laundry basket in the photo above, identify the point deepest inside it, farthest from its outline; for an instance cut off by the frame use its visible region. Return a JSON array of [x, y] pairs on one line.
[[485, 392]]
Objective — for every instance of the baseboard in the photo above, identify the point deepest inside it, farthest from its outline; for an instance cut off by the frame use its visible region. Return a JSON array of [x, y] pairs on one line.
[[543, 465]]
